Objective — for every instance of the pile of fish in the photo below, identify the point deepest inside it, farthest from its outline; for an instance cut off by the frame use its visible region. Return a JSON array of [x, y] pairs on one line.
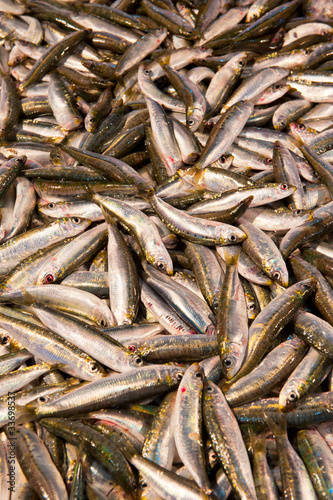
[[166, 251]]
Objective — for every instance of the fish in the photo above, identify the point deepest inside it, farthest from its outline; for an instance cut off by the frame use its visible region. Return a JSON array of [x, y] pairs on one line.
[[165, 248]]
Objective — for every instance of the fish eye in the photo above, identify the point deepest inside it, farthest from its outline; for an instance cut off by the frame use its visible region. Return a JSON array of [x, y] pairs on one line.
[[198, 375], [276, 275], [283, 123], [4, 340], [268, 160], [190, 122], [42, 399], [131, 348], [241, 63], [76, 220], [292, 396], [202, 49], [138, 361], [251, 306], [160, 265], [223, 159], [143, 484], [147, 72], [277, 87], [232, 237], [93, 367], [298, 211], [49, 278], [70, 478], [210, 389], [306, 286], [51, 205], [56, 155], [301, 126], [103, 322], [284, 186], [227, 362], [179, 376], [307, 52]]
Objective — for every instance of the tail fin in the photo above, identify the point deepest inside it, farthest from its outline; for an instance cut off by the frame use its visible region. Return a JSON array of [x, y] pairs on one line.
[[231, 254], [257, 437], [146, 190], [277, 422]]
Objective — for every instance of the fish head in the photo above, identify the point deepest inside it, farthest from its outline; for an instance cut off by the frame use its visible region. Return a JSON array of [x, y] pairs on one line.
[[288, 397], [232, 359], [49, 273], [102, 315], [277, 270], [229, 235]]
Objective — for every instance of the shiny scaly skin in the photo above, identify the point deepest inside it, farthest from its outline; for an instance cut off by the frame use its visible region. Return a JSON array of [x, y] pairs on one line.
[[97, 344], [178, 348], [69, 300], [318, 459], [206, 270], [71, 256], [311, 410], [323, 297], [271, 320], [26, 244], [306, 377], [266, 488], [97, 445], [295, 479], [188, 425], [11, 382], [166, 483], [9, 170], [285, 170], [123, 280], [264, 253], [315, 331], [25, 274], [52, 348], [269, 373], [321, 224], [129, 387], [140, 226], [37, 464], [220, 137], [232, 310], [51, 56], [159, 446], [10, 106], [268, 219], [262, 195], [324, 263], [63, 104], [227, 442], [193, 228]]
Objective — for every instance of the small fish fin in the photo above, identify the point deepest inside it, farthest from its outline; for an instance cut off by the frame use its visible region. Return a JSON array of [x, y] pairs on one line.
[[108, 218], [90, 194], [23, 414], [164, 60], [18, 297], [277, 422], [257, 436], [231, 254], [146, 190]]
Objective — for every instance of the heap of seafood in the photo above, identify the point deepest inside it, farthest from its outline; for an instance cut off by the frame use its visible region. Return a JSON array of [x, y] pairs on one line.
[[166, 250]]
